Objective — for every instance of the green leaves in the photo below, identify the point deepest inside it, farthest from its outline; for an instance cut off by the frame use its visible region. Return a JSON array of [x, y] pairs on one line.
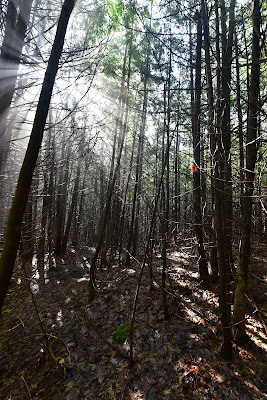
[[181, 377], [9, 382], [116, 8], [122, 333]]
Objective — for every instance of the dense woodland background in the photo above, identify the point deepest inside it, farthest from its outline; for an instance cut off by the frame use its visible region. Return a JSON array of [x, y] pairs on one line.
[[140, 144]]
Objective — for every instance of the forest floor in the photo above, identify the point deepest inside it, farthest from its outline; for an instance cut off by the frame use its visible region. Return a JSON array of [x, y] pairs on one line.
[[174, 359]]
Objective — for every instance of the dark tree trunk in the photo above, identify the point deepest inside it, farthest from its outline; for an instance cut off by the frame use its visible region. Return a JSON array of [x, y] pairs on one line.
[[195, 101], [223, 255], [61, 200], [77, 225], [240, 118], [222, 180], [246, 197], [46, 218], [177, 189], [210, 94], [13, 230], [71, 211], [41, 241], [225, 119], [51, 199], [27, 239]]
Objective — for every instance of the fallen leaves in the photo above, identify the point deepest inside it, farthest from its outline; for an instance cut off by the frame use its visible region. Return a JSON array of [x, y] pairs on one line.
[[174, 359]]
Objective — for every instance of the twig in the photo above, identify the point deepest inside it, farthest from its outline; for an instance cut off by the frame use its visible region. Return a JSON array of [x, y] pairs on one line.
[[260, 279], [11, 329], [28, 390]]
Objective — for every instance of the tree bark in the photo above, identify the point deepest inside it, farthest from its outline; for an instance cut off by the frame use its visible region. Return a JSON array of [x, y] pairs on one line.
[[210, 94], [195, 101], [71, 211], [222, 179], [61, 199], [246, 198], [225, 119]]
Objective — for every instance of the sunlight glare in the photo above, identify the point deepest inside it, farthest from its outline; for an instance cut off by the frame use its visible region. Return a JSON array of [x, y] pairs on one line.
[[137, 396], [59, 318]]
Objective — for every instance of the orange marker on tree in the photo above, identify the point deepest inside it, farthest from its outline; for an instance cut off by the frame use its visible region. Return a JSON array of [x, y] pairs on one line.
[[193, 167]]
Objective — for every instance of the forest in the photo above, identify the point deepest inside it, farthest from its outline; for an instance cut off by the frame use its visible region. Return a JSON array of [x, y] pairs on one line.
[[133, 200]]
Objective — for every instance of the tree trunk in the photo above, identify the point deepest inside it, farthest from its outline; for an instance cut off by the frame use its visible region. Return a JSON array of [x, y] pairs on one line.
[[61, 200], [246, 197], [177, 188], [13, 230], [210, 94], [41, 241], [240, 118], [17, 20], [222, 179], [71, 211], [195, 101], [225, 119]]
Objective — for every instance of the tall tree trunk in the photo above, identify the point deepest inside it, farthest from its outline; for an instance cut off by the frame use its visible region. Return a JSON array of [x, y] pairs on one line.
[[240, 118], [222, 179], [41, 241], [225, 119], [223, 258], [177, 188], [13, 230], [71, 211], [164, 230], [47, 203], [51, 195], [61, 199], [210, 94], [17, 20], [27, 240], [195, 101], [246, 197], [77, 226], [168, 122]]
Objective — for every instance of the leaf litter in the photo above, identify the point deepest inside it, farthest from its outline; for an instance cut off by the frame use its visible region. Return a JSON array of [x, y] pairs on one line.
[[174, 359]]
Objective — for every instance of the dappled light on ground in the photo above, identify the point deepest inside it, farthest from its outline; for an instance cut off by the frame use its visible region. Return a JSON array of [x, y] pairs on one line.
[[137, 396], [174, 359]]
